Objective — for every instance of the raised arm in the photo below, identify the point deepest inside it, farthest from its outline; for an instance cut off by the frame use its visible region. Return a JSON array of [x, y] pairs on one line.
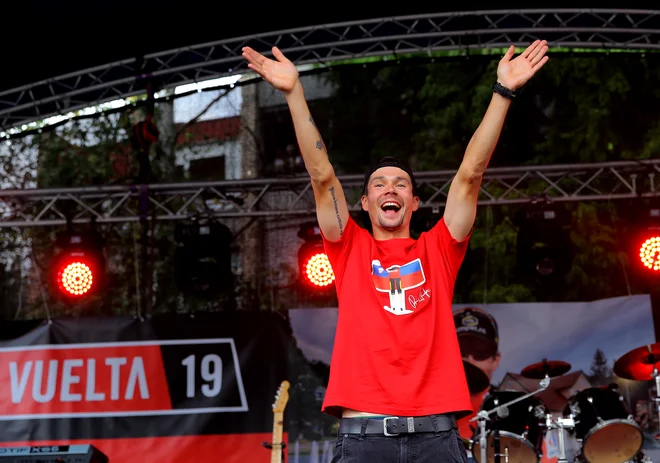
[[461, 208], [331, 207]]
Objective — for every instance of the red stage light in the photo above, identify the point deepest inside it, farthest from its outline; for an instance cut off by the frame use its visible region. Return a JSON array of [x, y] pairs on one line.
[[318, 270], [75, 275], [76, 278], [314, 270], [77, 271], [649, 253]]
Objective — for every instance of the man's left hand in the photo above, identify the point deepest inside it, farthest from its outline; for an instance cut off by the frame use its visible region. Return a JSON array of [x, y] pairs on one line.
[[514, 73]]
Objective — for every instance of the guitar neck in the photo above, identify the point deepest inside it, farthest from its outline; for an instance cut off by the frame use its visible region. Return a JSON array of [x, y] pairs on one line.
[[276, 452]]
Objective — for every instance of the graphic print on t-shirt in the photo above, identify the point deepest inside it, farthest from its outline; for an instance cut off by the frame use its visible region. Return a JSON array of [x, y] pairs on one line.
[[395, 280]]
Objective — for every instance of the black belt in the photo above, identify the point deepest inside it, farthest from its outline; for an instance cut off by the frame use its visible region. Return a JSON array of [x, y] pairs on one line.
[[393, 425]]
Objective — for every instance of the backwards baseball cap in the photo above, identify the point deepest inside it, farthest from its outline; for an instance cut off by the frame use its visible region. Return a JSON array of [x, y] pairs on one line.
[[389, 161], [478, 323]]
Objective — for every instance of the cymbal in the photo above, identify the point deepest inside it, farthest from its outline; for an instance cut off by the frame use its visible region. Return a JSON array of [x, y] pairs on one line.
[[639, 363], [477, 380], [549, 368]]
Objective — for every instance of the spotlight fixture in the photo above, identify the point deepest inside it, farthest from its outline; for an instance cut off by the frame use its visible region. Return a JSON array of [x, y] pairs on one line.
[[203, 258], [544, 247], [313, 265], [79, 265]]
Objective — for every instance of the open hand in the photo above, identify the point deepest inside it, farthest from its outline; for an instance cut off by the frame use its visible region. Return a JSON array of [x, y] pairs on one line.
[[514, 73], [281, 74]]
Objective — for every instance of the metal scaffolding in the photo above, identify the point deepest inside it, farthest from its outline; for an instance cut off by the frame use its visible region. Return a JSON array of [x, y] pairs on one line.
[[331, 43], [293, 197]]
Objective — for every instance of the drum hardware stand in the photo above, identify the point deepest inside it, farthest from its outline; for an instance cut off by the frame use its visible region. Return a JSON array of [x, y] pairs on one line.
[[483, 415], [560, 424]]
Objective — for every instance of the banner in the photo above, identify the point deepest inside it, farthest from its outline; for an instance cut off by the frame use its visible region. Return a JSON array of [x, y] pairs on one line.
[[168, 388], [589, 337], [182, 388]]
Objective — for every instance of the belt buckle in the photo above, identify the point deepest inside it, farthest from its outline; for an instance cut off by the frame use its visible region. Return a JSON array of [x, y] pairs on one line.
[[385, 425]]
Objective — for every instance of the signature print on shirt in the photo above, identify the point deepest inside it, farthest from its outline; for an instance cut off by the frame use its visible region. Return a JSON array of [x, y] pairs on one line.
[[396, 280]]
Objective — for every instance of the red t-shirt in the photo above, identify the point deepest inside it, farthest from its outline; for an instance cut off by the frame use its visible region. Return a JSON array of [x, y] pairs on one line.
[[396, 350]]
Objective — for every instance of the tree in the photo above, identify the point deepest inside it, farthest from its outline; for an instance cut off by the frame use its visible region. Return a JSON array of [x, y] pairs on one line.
[[600, 373], [84, 152], [371, 114], [572, 111]]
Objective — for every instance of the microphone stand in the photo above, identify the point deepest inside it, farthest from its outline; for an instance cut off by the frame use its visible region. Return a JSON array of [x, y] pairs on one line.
[[483, 415]]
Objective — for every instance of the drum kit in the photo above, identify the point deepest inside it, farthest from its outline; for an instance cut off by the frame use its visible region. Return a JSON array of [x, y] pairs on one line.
[[512, 425]]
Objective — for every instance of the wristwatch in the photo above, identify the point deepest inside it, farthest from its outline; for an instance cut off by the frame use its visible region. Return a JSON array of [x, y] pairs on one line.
[[502, 90]]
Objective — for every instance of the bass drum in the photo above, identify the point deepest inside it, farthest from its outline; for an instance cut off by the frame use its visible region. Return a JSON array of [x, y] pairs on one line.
[[521, 432], [604, 426]]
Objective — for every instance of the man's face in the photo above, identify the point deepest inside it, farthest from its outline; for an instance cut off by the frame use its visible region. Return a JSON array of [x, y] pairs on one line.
[[480, 353], [389, 200]]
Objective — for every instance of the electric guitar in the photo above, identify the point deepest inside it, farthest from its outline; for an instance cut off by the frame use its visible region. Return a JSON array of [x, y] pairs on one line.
[[281, 398]]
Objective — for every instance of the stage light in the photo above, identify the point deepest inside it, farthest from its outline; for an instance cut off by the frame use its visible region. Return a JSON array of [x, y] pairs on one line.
[[645, 242], [544, 248], [314, 267], [319, 271], [649, 253], [79, 264], [76, 278], [202, 259]]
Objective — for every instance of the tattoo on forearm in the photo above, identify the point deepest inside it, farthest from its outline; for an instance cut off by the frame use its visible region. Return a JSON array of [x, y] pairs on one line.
[[334, 201], [319, 143]]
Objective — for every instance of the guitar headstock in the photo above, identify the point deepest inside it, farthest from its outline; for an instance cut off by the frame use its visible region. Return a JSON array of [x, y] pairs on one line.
[[282, 397]]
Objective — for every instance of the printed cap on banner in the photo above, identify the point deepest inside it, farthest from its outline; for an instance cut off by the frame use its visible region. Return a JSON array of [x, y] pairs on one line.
[[476, 322]]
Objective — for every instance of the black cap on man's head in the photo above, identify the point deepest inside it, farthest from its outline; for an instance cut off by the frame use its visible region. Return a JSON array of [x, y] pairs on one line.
[[389, 161], [478, 323]]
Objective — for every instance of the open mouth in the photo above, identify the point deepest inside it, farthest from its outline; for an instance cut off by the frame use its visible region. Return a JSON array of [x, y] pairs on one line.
[[390, 208]]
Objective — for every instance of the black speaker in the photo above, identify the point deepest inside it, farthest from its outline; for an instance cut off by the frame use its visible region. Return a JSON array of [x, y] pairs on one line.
[[53, 453]]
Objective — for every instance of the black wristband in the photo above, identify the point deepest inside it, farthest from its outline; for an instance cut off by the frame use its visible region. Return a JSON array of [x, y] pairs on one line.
[[502, 90]]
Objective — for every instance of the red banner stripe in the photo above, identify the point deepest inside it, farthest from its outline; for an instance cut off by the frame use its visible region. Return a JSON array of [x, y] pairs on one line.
[[81, 380]]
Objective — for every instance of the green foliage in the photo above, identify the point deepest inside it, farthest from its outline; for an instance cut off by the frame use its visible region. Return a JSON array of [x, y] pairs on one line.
[[447, 121], [372, 114], [599, 266], [576, 110], [599, 108], [489, 270], [81, 153]]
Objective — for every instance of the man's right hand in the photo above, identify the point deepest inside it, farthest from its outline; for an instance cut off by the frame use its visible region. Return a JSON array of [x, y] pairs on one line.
[[281, 74]]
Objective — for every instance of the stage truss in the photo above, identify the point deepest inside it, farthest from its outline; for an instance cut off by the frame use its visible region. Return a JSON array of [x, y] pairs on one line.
[[286, 198], [477, 31]]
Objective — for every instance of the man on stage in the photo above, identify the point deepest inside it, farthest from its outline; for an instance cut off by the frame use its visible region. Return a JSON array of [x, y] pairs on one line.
[[397, 381]]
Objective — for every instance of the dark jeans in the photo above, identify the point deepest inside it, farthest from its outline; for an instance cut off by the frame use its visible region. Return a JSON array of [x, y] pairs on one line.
[[438, 447]]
